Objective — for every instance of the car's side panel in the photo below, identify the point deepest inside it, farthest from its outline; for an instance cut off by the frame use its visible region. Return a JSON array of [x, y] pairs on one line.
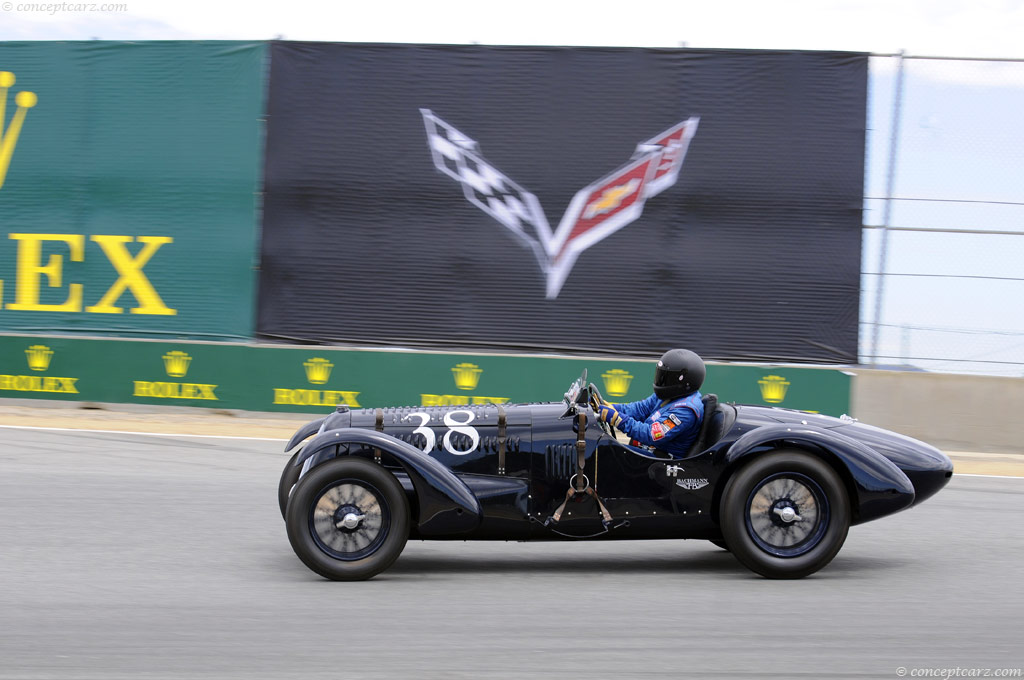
[[671, 494], [504, 501], [553, 462], [466, 439], [645, 498]]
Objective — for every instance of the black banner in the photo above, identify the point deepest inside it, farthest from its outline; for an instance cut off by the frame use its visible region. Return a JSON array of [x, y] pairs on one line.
[[624, 200]]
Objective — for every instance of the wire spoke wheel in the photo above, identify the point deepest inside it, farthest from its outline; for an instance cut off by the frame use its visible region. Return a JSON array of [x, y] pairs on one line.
[[785, 514], [348, 519]]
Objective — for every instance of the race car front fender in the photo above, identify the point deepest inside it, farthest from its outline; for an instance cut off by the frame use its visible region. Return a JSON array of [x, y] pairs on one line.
[[310, 428], [879, 487], [446, 505]]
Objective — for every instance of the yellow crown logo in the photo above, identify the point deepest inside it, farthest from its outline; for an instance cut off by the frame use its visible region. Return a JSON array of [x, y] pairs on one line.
[[773, 388], [176, 363], [9, 137], [38, 356], [318, 370], [467, 376], [616, 382]]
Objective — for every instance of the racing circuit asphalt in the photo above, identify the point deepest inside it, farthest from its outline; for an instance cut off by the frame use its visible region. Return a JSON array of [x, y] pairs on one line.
[[139, 556]]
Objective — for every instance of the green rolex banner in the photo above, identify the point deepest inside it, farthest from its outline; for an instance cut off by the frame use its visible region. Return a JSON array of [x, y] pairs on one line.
[[310, 379], [129, 178]]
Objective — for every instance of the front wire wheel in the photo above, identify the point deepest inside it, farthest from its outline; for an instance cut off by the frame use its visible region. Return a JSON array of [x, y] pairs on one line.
[[348, 519], [289, 476], [785, 514]]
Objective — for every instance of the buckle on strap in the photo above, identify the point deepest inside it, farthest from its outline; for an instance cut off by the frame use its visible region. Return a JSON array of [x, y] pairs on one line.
[[378, 425], [502, 439]]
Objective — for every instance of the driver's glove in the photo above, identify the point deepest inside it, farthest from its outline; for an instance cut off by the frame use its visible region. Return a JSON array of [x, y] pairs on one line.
[[609, 415]]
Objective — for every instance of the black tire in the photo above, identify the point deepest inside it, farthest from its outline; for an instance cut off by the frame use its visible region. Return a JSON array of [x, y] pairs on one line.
[[352, 490], [289, 476], [720, 543], [785, 514]]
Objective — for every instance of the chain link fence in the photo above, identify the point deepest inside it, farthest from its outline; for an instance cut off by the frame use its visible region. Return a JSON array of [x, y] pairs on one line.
[[943, 260]]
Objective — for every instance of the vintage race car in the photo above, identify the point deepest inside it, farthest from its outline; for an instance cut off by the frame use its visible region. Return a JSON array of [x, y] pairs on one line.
[[776, 487]]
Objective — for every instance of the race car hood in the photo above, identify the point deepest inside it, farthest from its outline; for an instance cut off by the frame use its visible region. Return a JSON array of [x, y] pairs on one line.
[[772, 414], [927, 468], [908, 453]]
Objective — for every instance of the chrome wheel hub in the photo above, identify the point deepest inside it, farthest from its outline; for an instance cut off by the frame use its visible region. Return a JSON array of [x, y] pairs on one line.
[[787, 514], [350, 521]]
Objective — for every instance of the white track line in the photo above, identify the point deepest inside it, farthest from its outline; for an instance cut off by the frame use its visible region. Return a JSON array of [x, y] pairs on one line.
[[970, 474], [151, 434]]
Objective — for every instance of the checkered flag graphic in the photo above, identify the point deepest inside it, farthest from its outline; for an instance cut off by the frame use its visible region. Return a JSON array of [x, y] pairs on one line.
[[486, 187]]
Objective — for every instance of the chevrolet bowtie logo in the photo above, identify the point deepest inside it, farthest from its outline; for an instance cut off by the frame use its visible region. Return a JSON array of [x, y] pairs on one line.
[[611, 199], [9, 136]]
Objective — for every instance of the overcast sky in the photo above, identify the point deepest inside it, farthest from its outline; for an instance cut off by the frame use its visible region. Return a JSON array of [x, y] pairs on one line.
[[963, 28]]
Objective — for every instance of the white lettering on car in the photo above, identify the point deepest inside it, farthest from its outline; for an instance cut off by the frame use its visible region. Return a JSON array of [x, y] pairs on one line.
[[454, 426]]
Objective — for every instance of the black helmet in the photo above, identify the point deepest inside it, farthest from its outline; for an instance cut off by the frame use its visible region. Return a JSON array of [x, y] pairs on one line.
[[680, 372]]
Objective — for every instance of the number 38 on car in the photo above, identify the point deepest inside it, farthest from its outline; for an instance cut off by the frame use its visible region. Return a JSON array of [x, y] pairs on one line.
[[778, 488]]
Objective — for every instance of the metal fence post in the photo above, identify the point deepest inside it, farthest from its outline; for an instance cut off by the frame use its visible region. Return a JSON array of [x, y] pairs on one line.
[[887, 213]]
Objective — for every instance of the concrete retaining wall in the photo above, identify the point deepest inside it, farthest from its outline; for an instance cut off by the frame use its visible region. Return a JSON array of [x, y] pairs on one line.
[[952, 412]]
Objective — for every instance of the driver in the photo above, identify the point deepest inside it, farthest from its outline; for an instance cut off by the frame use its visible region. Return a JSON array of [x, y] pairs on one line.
[[670, 418]]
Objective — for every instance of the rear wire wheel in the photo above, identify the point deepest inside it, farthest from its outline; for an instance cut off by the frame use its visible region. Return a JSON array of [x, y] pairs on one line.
[[348, 519], [785, 514]]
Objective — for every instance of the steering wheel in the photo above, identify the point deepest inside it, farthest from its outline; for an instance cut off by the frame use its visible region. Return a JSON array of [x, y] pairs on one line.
[[595, 399]]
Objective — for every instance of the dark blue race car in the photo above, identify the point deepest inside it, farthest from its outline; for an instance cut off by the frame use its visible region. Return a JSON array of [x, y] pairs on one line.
[[776, 487]]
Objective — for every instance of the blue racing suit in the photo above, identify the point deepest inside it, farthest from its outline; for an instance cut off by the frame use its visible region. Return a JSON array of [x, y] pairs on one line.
[[671, 425]]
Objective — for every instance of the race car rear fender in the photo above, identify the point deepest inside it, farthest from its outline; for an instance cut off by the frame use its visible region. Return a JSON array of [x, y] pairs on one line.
[[446, 504], [877, 487]]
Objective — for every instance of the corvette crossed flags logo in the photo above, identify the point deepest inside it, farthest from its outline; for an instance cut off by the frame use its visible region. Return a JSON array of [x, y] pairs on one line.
[[595, 212]]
